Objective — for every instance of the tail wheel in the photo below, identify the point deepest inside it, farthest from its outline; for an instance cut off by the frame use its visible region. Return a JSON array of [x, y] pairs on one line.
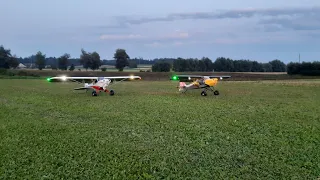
[[111, 92], [216, 93], [94, 93], [203, 93]]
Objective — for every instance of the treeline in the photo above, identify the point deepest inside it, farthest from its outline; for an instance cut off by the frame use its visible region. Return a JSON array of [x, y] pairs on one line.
[[221, 64], [304, 68], [92, 60], [229, 65], [89, 60], [53, 61]]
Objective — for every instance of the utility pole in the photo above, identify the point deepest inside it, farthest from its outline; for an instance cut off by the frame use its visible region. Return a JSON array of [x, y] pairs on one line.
[[299, 57], [139, 64], [31, 62]]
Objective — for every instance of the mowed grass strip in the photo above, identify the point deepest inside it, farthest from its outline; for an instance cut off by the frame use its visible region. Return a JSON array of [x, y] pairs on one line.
[[267, 130]]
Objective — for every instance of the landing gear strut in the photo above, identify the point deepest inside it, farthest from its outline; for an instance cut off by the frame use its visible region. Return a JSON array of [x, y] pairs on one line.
[[111, 92], [204, 92]]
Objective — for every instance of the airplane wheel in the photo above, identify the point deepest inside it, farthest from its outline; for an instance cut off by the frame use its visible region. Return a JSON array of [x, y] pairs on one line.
[[216, 92], [203, 93], [94, 93], [111, 93]]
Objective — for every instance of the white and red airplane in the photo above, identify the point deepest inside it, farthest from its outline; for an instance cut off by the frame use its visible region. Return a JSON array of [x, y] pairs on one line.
[[97, 85]]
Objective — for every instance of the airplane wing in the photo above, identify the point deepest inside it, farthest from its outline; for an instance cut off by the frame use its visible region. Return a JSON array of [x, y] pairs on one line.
[[191, 78], [90, 79], [220, 77], [122, 78], [75, 79]]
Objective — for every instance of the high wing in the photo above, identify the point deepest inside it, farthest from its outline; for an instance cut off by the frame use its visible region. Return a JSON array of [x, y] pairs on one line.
[[90, 79], [76, 79], [191, 78], [123, 78]]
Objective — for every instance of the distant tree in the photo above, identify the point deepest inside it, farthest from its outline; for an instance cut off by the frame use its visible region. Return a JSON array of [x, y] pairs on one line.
[[54, 67], [278, 66], [95, 61], [267, 67], [201, 66], [40, 60], [85, 59], [208, 64], [13, 62], [177, 65], [161, 66], [71, 67], [5, 56], [122, 59], [63, 61], [223, 64], [256, 67], [90, 60]]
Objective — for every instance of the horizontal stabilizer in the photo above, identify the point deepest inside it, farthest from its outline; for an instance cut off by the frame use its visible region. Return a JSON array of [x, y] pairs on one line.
[[81, 88]]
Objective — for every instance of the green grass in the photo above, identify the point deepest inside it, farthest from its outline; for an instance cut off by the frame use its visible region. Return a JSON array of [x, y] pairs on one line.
[[252, 130]]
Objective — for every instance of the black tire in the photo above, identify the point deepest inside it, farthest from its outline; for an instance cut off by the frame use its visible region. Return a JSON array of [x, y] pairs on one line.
[[94, 93], [111, 92], [216, 93], [203, 93]]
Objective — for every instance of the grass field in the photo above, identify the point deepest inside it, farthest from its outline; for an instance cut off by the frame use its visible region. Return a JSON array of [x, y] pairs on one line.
[[252, 130]]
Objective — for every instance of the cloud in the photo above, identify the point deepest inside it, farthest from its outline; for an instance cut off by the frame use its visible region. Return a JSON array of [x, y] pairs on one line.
[[175, 35], [167, 44], [153, 37], [121, 37], [154, 44], [289, 23], [228, 27], [234, 14], [253, 22]]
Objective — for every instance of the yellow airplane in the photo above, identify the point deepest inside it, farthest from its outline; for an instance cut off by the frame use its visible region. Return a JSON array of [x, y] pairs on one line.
[[198, 82]]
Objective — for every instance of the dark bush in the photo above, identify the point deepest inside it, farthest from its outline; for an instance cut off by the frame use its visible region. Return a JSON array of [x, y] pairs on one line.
[[3, 71], [104, 69]]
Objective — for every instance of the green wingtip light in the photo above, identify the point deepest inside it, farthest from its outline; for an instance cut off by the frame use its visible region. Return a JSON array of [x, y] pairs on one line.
[[175, 78], [48, 79]]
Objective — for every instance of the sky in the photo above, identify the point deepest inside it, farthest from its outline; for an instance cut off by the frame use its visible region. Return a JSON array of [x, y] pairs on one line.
[[261, 30]]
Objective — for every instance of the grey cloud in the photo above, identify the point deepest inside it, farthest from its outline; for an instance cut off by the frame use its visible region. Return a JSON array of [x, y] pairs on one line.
[[269, 28], [298, 23], [246, 13], [115, 26]]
